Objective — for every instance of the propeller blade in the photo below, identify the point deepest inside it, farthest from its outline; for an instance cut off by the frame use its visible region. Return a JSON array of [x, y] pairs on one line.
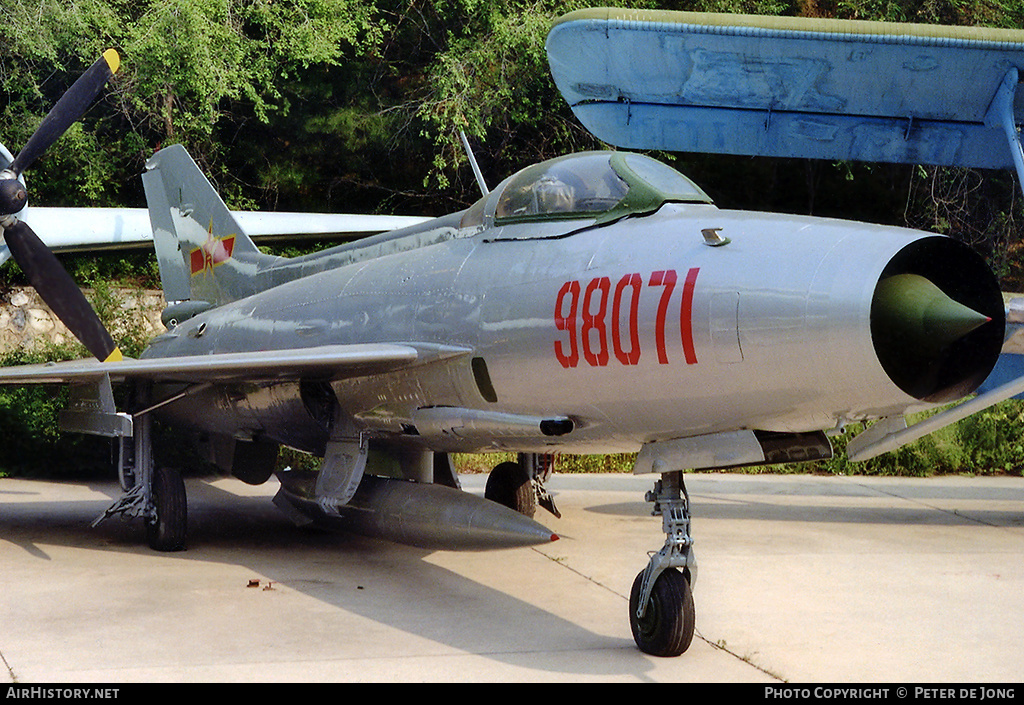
[[44, 271], [71, 106], [56, 287]]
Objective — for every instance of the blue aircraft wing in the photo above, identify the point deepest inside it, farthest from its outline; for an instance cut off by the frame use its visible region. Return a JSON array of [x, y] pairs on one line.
[[788, 86]]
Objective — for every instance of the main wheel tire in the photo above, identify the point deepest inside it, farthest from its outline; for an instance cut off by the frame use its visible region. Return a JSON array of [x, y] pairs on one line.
[[510, 485], [666, 629], [167, 531]]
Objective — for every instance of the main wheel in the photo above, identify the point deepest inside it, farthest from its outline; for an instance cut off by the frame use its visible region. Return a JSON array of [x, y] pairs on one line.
[[666, 629], [167, 531], [510, 485]]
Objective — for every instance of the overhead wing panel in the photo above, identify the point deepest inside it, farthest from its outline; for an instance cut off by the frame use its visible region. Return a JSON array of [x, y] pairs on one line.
[[787, 86], [331, 362], [63, 229], [69, 229]]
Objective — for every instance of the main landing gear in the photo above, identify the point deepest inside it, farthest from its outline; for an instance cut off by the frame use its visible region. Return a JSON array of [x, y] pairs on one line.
[[661, 611], [519, 484], [154, 494]]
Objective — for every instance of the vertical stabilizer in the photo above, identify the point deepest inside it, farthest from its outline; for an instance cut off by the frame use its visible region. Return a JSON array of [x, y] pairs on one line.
[[204, 256]]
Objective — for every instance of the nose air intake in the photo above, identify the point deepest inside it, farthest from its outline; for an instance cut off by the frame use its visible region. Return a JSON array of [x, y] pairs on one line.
[[937, 320]]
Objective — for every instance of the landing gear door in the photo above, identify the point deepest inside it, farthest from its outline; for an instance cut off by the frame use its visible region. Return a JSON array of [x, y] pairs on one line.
[[342, 470]]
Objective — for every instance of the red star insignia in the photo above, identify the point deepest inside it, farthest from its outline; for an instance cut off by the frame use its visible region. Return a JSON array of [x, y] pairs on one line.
[[216, 250]]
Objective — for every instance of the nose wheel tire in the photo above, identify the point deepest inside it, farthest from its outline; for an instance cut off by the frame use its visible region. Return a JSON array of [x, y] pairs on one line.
[[666, 627], [166, 532]]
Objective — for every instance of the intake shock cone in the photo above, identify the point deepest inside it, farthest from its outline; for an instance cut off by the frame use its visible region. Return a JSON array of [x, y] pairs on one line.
[[937, 320]]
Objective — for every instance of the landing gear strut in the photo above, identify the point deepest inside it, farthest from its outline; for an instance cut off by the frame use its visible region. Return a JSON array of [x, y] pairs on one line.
[[661, 611], [156, 495]]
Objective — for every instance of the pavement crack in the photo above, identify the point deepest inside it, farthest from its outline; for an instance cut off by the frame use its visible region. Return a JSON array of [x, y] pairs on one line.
[[720, 645], [921, 503], [568, 567], [10, 671]]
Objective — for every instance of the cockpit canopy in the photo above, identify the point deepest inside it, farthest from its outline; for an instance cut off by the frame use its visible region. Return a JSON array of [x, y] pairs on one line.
[[602, 185]]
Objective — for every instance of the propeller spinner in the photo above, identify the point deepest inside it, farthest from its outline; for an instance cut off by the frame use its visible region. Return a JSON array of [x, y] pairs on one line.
[[44, 271]]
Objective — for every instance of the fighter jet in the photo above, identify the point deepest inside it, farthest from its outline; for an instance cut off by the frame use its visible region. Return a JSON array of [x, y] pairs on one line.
[[593, 303]]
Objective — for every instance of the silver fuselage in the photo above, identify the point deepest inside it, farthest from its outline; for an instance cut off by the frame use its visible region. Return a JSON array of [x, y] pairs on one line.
[[637, 331]]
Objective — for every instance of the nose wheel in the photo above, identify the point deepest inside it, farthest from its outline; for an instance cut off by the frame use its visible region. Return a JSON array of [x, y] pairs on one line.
[[665, 627], [661, 610]]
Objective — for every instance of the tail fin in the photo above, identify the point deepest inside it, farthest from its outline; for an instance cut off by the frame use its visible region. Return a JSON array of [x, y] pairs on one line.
[[204, 256]]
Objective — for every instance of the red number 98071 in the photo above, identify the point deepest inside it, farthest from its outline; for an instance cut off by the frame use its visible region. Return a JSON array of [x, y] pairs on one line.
[[590, 333]]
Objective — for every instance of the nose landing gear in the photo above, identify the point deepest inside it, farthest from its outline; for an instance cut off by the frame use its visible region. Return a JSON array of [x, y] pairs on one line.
[[661, 610]]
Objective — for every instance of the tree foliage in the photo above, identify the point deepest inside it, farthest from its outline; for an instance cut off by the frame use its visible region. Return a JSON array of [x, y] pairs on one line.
[[356, 105], [194, 71]]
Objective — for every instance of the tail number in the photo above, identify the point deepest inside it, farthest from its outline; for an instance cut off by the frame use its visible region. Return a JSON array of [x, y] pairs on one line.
[[582, 315]]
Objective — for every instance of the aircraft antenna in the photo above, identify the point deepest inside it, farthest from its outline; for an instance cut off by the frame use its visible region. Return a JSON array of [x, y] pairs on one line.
[[472, 162]]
